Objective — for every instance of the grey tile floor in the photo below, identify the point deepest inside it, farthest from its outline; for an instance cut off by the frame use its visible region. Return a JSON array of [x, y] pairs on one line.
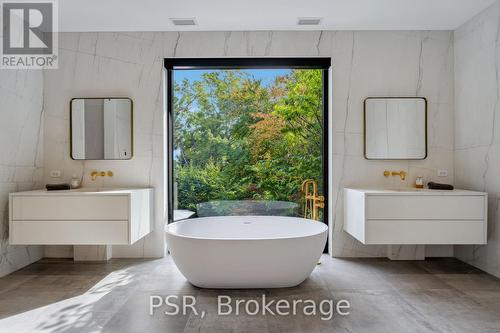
[[439, 295]]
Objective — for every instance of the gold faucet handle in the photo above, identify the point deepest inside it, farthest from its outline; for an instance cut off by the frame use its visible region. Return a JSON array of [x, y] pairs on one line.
[[94, 174], [401, 174]]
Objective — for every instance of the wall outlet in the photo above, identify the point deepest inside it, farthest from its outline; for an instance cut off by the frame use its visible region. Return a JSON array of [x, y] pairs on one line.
[[55, 173], [442, 173]]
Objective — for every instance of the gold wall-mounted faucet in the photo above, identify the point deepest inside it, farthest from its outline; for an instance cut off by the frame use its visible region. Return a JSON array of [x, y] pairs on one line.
[[95, 174], [401, 174]]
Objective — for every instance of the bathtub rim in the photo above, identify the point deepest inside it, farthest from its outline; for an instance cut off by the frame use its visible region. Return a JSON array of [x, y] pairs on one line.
[[169, 233]]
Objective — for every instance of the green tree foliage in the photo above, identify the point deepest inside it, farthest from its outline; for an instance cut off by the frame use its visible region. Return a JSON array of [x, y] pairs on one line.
[[236, 138]]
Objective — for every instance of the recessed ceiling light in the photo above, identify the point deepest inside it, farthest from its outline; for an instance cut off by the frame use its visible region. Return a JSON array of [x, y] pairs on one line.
[[183, 21], [309, 20]]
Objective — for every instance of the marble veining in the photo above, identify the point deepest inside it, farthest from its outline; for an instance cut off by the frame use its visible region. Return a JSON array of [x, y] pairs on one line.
[[364, 63], [21, 154], [477, 147]]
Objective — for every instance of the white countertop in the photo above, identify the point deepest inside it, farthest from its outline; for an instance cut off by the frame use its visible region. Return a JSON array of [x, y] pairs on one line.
[[82, 191], [413, 191]]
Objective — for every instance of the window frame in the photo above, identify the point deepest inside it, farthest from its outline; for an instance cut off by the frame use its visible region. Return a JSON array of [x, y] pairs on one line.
[[171, 64]]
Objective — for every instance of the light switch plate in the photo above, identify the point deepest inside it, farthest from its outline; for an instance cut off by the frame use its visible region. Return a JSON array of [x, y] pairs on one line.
[[442, 173], [55, 173]]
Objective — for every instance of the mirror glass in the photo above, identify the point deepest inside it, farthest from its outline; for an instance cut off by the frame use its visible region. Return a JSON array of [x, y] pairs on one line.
[[395, 128], [101, 128]]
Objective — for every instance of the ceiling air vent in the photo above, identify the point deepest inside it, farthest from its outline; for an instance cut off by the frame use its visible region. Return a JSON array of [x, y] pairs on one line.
[[309, 21], [183, 21]]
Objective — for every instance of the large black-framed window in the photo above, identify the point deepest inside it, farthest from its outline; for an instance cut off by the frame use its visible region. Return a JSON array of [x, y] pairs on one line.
[[172, 64]]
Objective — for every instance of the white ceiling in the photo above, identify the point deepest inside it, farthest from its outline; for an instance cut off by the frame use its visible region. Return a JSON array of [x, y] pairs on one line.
[[154, 15]]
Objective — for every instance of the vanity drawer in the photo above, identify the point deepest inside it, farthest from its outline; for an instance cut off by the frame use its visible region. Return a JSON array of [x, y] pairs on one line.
[[425, 232], [55, 207], [432, 207], [69, 232]]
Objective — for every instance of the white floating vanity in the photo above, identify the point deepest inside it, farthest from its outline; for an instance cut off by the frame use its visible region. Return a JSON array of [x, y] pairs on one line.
[[80, 217], [415, 217]]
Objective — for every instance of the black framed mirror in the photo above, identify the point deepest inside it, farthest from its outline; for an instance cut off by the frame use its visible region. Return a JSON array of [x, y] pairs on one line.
[[101, 128], [395, 128]]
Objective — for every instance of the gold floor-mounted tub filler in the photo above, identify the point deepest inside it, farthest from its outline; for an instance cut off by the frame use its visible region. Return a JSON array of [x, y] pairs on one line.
[[313, 201]]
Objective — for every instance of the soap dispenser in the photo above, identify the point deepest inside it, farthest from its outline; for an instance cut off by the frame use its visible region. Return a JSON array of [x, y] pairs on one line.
[[75, 182], [419, 182]]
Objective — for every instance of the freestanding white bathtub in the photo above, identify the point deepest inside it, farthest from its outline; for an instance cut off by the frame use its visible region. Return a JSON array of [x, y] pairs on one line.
[[246, 251]]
